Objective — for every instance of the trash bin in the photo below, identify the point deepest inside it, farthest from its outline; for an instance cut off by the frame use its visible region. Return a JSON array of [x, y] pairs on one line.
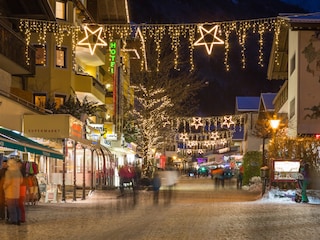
[[264, 172]]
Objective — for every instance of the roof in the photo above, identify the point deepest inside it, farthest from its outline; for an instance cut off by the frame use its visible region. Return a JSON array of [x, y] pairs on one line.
[[278, 60], [247, 104], [266, 101], [303, 18]]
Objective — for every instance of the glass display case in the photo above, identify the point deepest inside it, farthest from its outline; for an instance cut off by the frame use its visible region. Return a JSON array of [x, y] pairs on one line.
[[285, 170]]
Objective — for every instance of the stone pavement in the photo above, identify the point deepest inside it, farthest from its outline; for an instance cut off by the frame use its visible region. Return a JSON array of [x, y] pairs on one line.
[[198, 210]]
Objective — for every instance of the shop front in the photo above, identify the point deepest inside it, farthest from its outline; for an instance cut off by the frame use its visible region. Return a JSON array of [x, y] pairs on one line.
[[35, 158], [83, 159]]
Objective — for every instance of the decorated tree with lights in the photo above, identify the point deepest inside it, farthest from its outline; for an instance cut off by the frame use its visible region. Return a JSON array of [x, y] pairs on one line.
[[162, 92], [147, 121]]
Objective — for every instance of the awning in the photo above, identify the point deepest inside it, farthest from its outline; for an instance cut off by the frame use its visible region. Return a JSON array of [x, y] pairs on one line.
[[13, 140]]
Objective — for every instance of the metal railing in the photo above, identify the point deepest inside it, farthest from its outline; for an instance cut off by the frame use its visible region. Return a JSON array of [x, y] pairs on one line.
[[17, 53], [24, 102]]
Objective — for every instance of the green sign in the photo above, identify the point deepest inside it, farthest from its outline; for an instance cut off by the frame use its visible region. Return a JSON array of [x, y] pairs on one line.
[[113, 53]]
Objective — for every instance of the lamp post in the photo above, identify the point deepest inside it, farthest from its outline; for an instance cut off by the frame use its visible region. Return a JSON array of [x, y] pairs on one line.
[[274, 123]]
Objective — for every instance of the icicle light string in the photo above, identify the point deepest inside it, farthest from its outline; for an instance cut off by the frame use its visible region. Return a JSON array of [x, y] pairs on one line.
[[156, 32]]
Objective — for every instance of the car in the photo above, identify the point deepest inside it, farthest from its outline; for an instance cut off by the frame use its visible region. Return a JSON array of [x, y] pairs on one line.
[[203, 171]]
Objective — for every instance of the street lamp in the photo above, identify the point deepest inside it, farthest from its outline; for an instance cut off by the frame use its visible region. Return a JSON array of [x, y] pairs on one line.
[[274, 123], [264, 171]]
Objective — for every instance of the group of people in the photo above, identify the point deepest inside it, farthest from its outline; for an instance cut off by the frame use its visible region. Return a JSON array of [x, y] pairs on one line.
[[166, 179], [13, 189], [162, 178]]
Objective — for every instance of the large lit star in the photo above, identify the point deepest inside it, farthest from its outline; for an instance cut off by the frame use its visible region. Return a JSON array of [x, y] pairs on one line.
[[92, 39], [215, 40]]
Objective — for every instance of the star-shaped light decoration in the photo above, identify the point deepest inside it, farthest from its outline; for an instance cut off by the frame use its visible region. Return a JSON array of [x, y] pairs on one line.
[[213, 34], [189, 151], [223, 141], [184, 136], [227, 121], [200, 151], [197, 122], [214, 135], [92, 39]]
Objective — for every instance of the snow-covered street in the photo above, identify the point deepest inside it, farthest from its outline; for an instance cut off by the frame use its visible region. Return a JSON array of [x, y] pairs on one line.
[[197, 211]]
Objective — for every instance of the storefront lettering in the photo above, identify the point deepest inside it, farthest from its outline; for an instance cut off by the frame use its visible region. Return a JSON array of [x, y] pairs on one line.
[[43, 130]]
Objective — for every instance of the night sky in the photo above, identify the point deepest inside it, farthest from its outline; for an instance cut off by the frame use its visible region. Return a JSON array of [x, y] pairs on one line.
[[218, 98]]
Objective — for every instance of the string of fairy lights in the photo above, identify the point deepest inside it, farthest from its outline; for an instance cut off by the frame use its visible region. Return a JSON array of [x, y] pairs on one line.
[[197, 135], [197, 35]]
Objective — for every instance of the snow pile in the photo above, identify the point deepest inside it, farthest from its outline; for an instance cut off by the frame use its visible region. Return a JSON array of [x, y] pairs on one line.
[[277, 195]]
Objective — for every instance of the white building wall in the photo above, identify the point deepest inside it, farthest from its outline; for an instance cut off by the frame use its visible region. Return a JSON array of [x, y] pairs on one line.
[[11, 114], [293, 98], [308, 82]]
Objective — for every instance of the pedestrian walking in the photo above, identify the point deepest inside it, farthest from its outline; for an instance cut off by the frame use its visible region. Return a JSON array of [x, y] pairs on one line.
[[23, 192], [305, 171], [12, 181], [156, 184], [2, 196], [240, 177], [170, 180]]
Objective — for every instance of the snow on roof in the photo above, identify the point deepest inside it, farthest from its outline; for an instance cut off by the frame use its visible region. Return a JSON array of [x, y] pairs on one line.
[[303, 18]]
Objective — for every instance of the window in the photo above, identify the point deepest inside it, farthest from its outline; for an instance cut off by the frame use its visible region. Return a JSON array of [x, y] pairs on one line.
[[40, 100], [59, 100], [61, 10], [61, 53], [292, 64], [292, 107], [41, 58]]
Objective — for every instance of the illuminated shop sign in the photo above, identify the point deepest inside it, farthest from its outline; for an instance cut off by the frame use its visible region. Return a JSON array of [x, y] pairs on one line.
[[113, 53]]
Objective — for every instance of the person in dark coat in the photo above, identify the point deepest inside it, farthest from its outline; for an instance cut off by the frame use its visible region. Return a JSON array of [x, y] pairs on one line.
[[305, 171], [240, 177], [156, 184]]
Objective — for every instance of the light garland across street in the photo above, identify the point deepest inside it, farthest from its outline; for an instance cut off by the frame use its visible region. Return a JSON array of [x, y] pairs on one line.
[[193, 34]]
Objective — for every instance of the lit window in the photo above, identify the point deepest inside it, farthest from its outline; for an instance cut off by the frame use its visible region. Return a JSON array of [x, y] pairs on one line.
[[40, 100], [61, 57], [61, 10], [41, 59], [59, 100]]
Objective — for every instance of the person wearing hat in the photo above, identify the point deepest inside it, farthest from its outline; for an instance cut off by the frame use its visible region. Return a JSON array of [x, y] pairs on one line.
[[2, 198], [12, 181]]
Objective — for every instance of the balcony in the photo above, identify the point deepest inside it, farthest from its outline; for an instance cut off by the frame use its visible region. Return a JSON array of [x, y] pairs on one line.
[[97, 59], [88, 86], [281, 100], [13, 59]]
